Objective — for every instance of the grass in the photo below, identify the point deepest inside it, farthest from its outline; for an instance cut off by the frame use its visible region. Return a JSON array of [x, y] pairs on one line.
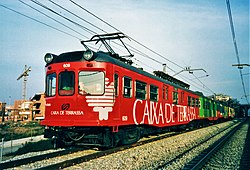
[[17, 130], [32, 147]]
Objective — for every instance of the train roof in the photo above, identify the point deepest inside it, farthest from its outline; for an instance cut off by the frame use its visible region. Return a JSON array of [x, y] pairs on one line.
[[100, 56]]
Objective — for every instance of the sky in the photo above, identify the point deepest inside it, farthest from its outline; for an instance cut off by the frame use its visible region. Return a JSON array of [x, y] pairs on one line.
[[185, 33]]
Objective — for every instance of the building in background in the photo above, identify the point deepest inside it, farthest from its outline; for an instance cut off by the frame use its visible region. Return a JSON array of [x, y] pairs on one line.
[[26, 110], [38, 108], [223, 97]]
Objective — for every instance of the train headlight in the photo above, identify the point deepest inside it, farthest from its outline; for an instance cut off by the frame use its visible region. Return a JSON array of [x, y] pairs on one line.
[[48, 58], [88, 55]]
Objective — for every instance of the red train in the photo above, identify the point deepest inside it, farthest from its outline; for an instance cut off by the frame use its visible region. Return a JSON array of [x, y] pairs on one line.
[[100, 99]]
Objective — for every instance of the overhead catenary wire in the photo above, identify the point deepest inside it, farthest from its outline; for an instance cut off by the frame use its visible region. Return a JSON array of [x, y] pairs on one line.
[[235, 46], [138, 43], [134, 49], [93, 25], [52, 18], [204, 85], [126, 35], [53, 11], [36, 20], [93, 33]]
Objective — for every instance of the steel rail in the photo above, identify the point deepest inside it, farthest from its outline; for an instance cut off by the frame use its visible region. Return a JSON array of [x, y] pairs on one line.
[[199, 161], [19, 162], [192, 148], [89, 157], [84, 158]]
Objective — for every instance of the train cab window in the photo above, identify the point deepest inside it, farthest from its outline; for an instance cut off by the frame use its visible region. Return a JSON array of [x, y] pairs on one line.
[[175, 96], [66, 83], [127, 87], [140, 92], [153, 93], [51, 85], [91, 83], [116, 82]]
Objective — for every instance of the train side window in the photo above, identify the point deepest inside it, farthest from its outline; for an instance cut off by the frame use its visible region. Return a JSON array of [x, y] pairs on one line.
[[189, 101], [165, 92], [182, 97], [127, 87], [50, 85], [209, 105], [192, 102], [175, 96], [116, 83], [153, 93], [140, 90], [66, 83], [197, 103]]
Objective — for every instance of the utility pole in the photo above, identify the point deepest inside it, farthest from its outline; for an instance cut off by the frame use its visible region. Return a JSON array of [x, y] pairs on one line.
[[24, 75]]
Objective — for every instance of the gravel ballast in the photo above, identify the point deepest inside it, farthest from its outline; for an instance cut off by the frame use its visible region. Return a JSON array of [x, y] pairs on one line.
[[151, 155]]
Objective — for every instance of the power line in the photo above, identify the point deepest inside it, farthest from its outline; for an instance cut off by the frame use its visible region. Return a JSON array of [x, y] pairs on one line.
[[126, 35], [77, 16], [143, 54], [51, 10], [38, 21], [52, 18], [204, 84], [235, 46], [134, 49]]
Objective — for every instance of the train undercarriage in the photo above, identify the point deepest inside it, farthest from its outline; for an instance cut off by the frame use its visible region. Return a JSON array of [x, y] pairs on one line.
[[108, 137], [103, 137]]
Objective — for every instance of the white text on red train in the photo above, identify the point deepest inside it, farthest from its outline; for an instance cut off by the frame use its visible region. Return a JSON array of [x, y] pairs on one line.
[[67, 65], [161, 113]]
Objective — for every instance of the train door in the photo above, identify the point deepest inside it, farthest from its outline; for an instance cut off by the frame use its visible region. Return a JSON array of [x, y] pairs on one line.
[[117, 95]]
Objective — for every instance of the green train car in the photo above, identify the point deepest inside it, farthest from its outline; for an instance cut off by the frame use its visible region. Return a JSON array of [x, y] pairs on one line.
[[214, 110]]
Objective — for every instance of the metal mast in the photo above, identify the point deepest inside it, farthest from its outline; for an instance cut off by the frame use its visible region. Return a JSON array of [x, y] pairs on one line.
[[24, 75]]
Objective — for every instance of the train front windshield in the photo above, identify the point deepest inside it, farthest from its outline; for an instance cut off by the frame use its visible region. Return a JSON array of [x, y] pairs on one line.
[[51, 85], [89, 83], [66, 83]]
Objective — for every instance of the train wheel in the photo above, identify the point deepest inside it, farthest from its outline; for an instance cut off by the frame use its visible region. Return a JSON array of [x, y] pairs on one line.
[[130, 135], [57, 143]]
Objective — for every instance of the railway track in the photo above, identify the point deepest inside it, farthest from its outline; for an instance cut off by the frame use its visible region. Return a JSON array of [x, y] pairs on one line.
[[203, 157], [245, 161], [198, 161], [72, 160], [82, 156], [19, 162]]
